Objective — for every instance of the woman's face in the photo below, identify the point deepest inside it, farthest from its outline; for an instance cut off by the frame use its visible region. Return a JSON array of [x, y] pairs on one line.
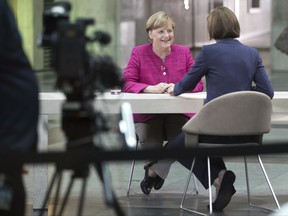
[[162, 38]]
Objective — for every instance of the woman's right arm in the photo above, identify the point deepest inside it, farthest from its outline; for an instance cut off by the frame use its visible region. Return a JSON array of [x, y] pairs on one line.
[[131, 78], [131, 75]]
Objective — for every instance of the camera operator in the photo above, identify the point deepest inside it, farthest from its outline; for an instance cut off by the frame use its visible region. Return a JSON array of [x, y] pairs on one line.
[[18, 112]]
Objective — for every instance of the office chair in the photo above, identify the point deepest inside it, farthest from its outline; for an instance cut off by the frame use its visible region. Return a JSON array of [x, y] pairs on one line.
[[132, 172], [244, 115]]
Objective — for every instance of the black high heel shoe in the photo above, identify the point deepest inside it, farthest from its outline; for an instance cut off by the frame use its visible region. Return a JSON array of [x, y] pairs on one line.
[[158, 182], [148, 182]]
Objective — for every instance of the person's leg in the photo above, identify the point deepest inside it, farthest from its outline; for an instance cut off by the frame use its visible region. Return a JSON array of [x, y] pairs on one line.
[[151, 136], [200, 168], [222, 179], [224, 183], [150, 133], [172, 126]]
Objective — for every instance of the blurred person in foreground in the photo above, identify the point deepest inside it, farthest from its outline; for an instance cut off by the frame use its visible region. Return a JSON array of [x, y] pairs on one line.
[[19, 111], [151, 68], [228, 66]]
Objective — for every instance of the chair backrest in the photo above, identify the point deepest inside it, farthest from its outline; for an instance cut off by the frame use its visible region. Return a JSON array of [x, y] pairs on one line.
[[234, 114]]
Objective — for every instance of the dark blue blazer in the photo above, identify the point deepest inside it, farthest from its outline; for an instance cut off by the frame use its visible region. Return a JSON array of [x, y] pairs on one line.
[[228, 66], [19, 106]]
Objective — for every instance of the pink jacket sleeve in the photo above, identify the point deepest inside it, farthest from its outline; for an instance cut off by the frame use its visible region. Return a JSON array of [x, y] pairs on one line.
[[131, 75]]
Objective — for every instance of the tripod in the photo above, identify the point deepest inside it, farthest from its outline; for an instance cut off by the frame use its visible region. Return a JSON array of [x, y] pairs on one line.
[[81, 137], [82, 175]]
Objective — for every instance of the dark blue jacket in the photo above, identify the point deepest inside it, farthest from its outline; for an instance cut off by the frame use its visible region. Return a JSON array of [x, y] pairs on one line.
[[228, 66], [19, 106]]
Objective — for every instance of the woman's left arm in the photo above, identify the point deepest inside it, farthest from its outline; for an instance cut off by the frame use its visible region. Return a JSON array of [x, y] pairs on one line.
[[261, 79], [192, 79], [190, 62]]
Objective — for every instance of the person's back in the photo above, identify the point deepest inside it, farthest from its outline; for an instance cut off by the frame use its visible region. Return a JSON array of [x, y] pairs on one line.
[[232, 66], [19, 112], [18, 89], [228, 66]]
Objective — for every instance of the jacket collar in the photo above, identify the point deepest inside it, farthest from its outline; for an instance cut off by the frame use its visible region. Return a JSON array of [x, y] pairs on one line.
[[229, 40]]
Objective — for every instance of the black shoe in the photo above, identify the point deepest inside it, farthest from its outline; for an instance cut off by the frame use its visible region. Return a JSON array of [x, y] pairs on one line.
[[226, 191], [158, 182], [147, 183]]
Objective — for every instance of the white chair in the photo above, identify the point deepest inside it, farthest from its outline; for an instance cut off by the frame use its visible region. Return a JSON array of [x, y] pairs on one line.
[[244, 115]]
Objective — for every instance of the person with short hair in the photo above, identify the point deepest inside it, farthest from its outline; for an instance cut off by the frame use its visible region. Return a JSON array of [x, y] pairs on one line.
[[228, 66], [150, 68]]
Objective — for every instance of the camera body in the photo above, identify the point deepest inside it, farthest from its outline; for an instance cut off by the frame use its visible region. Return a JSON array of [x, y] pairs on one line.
[[79, 73]]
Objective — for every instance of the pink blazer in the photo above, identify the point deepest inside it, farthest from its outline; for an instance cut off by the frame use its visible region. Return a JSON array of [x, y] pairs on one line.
[[146, 68]]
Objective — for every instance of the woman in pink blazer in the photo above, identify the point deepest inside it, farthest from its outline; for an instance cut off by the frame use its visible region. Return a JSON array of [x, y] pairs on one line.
[[151, 68]]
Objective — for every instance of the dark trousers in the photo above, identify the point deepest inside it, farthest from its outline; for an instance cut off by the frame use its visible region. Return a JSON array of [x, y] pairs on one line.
[[200, 167]]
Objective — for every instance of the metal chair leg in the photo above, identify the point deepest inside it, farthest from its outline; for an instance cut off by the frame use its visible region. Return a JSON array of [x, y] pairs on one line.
[[186, 188], [187, 185], [131, 172], [247, 181], [209, 183], [195, 184], [268, 182], [210, 189], [131, 176]]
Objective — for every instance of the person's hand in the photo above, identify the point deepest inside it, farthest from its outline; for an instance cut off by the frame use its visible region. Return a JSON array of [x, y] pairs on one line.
[[157, 89], [171, 89]]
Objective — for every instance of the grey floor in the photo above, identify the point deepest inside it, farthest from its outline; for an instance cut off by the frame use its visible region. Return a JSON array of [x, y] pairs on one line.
[[166, 201]]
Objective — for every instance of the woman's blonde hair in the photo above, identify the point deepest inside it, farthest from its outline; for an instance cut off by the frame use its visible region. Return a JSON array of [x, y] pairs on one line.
[[222, 23], [159, 19]]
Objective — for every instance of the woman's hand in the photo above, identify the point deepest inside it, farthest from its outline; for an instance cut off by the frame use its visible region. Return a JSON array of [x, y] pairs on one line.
[[171, 89], [160, 88]]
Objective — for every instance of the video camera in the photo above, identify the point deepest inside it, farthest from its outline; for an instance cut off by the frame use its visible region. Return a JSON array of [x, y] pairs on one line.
[[79, 73]]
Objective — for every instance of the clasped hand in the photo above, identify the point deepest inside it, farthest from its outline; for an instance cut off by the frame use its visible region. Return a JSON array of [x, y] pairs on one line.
[[160, 88]]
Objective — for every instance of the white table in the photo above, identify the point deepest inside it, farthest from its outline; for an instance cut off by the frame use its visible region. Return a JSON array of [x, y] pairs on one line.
[[141, 103], [148, 103]]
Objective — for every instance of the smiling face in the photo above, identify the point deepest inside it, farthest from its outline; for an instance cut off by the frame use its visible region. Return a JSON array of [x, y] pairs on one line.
[[163, 37], [160, 30]]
